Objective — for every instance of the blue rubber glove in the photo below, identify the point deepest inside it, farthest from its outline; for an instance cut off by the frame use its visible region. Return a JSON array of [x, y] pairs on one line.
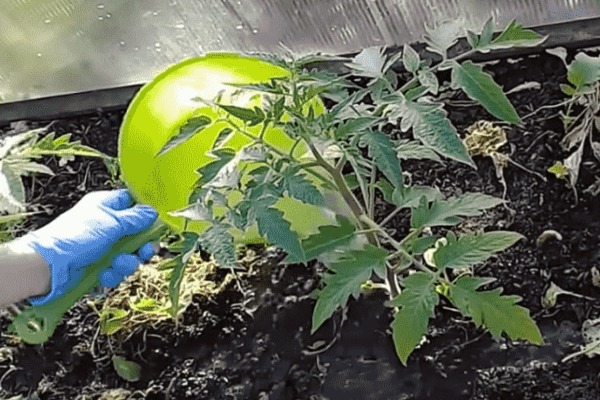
[[82, 235]]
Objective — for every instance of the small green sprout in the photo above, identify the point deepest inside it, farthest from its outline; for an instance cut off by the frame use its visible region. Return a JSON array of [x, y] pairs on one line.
[[559, 170]]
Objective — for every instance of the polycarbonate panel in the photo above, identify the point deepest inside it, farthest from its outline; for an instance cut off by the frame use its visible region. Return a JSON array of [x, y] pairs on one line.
[[50, 47]]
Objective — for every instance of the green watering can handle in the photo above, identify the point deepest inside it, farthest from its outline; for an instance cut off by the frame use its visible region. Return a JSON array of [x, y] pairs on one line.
[[36, 324]]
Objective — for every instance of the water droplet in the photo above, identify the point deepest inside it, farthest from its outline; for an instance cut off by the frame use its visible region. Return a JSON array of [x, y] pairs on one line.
[[180, 26], [122, 43], [101, 6], [157, 44], [47, 21], [108, 15], [254, 30], [239, 27], [100, 18], [155, 13], [137, 48], [39, 54]]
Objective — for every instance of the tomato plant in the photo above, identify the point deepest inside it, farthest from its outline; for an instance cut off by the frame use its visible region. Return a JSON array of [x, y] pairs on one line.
[[357, 159]]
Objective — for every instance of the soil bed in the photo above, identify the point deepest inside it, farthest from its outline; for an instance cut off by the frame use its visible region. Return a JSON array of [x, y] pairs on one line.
[[257, 345]]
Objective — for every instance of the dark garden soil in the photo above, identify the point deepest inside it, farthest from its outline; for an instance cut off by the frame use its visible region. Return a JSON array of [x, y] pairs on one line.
[[258, 345]]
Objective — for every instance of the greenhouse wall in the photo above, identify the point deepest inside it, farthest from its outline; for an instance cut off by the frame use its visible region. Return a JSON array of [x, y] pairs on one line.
[[65, 46]]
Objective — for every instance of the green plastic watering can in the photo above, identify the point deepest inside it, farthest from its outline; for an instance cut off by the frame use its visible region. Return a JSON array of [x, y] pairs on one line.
[[166, 182], [163, 106]]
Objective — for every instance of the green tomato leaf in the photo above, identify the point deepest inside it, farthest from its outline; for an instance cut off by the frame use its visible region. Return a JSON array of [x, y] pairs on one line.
[[193, 126], [185, 245], [413, 150], [195, 212], [449, 212], [207, 197], [430, 125], [386, 189], [350, 106], [428, 79], [278, 108], [351, 181], [381, 150], [472, 39], [224, 135], [23, 167], [218, 241], [239, 215], [111, 320], [329, 238], [12, 191], [60, 147], [514, 35], [9, 144], [251, 116], [177, 267], [410, 196], [480, 86], [410, 59], [300, 188], [354, 126], [498, 314], [147, 305], [258, 176], [369, 63], [568, 89], [228, 176], [128, 370], [266, 190], [416, 92], [273, 227], [487, 34], [472, 249], [583, 72], [209, 171], [417, 303], [443, 35], [344, 279], [420, 245]]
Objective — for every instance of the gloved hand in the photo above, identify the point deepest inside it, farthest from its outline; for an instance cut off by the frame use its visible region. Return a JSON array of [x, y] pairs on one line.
[[82, 235]]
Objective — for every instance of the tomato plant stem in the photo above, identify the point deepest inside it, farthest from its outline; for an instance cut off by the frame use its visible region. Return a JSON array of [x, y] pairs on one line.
[[358, 212], [340, 182], [283, 155]]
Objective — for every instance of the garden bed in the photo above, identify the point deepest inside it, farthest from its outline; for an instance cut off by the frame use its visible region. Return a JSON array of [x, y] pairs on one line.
[[257, 344]]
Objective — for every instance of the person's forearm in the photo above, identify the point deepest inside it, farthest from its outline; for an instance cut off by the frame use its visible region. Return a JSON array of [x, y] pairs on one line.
[[23, 273]]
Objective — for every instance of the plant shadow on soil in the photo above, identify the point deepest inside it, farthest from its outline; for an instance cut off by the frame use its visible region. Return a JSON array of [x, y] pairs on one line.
[[224, 351]]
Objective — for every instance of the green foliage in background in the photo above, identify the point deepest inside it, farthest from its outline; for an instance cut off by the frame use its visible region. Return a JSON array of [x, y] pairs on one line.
[[580, 117], [19, 154]]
